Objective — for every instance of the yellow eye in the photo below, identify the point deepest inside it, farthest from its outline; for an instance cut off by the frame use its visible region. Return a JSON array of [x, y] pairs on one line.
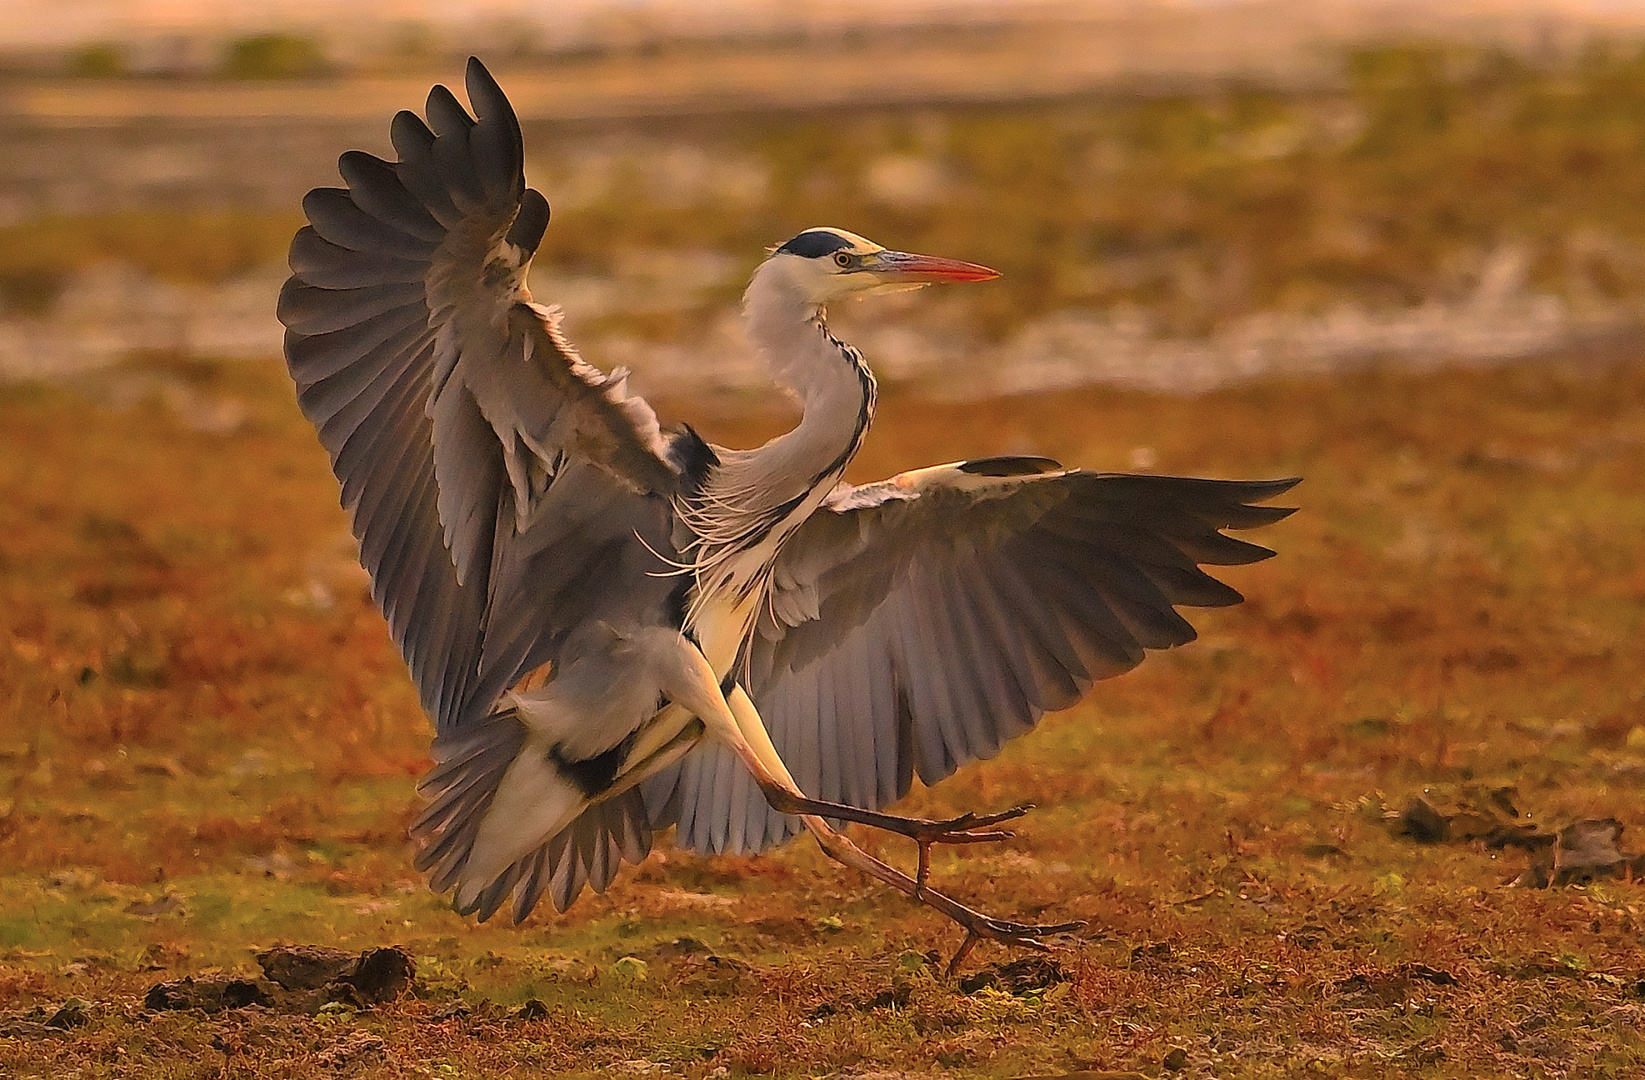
[[842, 259]]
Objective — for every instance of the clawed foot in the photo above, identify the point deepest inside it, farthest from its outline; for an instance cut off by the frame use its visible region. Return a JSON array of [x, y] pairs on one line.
[[973, 829], [1006, 933], [965, 829], [926, 833], [978, 926]]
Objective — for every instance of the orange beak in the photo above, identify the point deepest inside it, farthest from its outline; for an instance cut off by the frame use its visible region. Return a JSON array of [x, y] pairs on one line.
[[902, 266]]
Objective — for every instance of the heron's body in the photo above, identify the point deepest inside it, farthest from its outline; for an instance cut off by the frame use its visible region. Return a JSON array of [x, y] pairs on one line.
[[619, 628]]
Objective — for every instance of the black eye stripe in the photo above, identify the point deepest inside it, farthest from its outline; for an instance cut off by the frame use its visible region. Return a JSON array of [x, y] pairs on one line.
[[814, 244]]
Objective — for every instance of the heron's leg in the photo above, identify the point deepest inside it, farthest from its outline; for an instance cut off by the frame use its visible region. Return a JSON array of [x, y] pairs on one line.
[[694, 686], [786, 797], [977, 926]]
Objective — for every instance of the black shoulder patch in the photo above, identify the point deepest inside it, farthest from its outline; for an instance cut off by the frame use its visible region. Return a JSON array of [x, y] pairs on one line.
[[692, 455], [814, 244], [592, 775], [1009, 466]]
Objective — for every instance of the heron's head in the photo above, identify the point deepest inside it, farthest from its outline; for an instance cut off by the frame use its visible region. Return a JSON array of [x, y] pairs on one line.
[[830, 264]]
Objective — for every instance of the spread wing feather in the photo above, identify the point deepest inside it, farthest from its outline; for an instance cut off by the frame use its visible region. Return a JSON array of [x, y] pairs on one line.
[[444, 396], [503, 491], [920, 623]]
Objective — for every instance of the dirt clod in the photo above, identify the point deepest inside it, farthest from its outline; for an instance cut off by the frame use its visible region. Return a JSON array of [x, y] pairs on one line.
[[72, 1014], [1023, 977], [1453, 813], [301, 979], [1582, 851], [207, 995], [305, 967], [381, 975], [1422, 823]]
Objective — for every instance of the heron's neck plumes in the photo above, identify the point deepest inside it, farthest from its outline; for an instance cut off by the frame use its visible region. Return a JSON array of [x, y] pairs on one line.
[[753, 498]]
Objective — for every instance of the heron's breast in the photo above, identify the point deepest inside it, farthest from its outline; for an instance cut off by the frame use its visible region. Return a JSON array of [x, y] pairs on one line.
[[720, 626], [738, 579]]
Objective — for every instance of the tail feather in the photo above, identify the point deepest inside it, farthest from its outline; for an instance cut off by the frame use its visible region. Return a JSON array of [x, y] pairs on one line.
[[458, 849]]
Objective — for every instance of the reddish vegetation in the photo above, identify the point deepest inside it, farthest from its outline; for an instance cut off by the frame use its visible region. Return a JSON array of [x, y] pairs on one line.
[[207, 746]]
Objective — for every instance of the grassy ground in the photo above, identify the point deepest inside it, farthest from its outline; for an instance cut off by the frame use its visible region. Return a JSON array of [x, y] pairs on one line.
[[207, 745]]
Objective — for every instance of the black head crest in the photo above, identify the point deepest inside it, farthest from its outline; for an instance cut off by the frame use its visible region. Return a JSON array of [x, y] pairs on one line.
[[815, 243]]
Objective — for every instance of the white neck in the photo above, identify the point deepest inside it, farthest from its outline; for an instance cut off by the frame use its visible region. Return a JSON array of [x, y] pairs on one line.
[[743, 511], [786, 326]]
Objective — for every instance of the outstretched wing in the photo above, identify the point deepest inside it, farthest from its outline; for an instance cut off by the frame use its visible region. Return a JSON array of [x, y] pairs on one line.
[[504, 492], [919, 623], [473, 445]]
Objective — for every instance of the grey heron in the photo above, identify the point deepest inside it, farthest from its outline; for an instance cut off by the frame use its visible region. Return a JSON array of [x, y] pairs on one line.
[[617, 627]]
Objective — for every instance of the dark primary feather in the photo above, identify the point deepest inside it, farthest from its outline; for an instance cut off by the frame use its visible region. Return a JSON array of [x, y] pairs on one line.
[[503, 492], [920, 623]]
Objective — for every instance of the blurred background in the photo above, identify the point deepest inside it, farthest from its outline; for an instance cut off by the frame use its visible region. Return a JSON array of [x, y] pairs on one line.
[[1180, 193]]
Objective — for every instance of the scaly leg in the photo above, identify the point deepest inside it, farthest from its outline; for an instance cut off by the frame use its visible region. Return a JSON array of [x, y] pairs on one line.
[[785, 796], [736, 722]]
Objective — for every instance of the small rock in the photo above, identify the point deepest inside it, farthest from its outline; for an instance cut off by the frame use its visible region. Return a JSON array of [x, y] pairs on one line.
[[71, 1015], [630, 967]]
